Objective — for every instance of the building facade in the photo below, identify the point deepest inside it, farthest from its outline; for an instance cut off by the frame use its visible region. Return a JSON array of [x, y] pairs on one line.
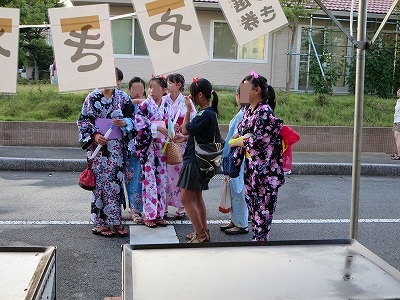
[[268, 55]]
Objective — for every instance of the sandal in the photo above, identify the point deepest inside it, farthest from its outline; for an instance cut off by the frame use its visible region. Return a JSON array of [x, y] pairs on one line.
[[225, 227], [150, 223], [161, 222], [191, 235], [201, 237], [180, 215], [137, 218], [103, 231], [121, 231]]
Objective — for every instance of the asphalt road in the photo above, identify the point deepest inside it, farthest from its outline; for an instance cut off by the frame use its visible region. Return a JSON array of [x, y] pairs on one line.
[[49, 209]]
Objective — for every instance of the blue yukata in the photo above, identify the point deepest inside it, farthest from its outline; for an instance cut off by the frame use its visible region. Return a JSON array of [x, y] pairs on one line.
[[239, 211], [133, 169]]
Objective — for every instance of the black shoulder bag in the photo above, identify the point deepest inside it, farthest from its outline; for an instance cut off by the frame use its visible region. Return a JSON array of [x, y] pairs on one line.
[[209, 156]]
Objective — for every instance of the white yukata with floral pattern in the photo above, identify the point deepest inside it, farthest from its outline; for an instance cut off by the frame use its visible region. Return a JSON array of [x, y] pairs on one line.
[[173, 171]]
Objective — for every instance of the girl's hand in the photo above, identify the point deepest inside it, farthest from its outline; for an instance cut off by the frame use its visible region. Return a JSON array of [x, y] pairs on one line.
[[188, 103], [119, 122], [180, 138], [163, 130], [100, 139]]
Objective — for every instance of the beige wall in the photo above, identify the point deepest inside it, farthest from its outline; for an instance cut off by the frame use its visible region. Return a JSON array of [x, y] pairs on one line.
[[223, 73], [219, 72]]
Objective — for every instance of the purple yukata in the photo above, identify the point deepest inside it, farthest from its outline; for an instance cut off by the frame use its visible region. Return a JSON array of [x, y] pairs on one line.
[[263, 173]]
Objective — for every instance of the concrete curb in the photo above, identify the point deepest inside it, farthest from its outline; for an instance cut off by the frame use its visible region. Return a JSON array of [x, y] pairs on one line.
[[345, 169], [77, 165], [41, 164]]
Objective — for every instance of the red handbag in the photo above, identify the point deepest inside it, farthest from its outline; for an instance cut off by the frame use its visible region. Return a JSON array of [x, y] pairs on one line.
[[86, 178]]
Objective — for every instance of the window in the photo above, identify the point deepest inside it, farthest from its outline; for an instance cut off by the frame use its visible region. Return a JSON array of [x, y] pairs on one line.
[[225, 46], [123, 39], [121, 30], [327, 41]]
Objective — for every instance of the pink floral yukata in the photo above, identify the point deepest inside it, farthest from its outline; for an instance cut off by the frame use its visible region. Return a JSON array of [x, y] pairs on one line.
[[263, 171], [149, 150], [173, 171]]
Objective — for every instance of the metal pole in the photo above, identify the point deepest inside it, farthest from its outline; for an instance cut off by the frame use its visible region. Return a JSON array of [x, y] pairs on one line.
[[358, 116]]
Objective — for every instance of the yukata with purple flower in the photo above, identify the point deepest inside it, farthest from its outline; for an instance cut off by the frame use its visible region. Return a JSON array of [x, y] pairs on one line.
[[152, 120], [98, 113], [261, 148]]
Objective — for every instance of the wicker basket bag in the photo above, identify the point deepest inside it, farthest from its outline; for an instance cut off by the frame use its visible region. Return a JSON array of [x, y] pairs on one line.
[[173, 153]]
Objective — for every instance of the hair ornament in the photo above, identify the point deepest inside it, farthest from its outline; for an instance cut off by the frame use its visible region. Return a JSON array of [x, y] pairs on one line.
[[157, 76], [196, 79], [254, 74]]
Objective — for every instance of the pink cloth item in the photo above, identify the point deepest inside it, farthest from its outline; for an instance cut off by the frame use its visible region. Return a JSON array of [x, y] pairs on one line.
[[104, 124]]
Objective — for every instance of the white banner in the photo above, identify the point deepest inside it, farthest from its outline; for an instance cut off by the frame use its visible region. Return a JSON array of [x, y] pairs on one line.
[[172, 34], [9, 35], [83, 48], [250, 19]]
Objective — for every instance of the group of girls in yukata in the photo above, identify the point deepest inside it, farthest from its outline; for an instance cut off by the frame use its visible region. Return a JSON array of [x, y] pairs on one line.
[[133, 154], [132, 159]]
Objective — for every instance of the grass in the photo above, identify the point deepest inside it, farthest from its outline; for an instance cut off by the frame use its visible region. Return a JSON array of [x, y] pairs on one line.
[[43, 102]]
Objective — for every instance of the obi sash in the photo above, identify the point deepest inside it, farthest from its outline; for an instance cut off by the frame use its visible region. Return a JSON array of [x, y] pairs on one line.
[[104, 124]]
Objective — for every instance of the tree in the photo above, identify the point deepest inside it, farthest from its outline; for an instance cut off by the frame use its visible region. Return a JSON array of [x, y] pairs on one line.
[[33, 47], [295, 10]]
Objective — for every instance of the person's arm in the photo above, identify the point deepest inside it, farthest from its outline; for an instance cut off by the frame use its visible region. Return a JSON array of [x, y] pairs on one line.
[[186, 119]]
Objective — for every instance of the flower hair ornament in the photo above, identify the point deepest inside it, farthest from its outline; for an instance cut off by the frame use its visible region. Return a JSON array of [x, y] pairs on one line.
[[196, 79], [157, 76], [254, 74]]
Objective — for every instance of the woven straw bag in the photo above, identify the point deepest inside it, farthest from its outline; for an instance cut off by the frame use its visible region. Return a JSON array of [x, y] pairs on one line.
[[173, 153]]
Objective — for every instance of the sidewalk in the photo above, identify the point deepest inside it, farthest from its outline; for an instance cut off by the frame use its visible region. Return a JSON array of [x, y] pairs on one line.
[[64, 159]]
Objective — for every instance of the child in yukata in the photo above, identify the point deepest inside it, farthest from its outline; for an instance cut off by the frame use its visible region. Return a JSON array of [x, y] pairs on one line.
[[239, 211], [152, 119], [133, 168], [101, 109], [175, 99], [259, 143]]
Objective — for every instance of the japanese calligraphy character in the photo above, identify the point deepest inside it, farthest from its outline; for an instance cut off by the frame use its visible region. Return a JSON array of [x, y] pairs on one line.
[[250, 21], [83, 36], [240, 5], [177, 24], [3, 51], [266, 11]]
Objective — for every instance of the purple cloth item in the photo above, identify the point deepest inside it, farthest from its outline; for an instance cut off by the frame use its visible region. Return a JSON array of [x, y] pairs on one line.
[[104, 124]]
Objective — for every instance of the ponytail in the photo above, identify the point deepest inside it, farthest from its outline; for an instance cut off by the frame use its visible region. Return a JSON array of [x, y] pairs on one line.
[[214, 103], [271, 97]]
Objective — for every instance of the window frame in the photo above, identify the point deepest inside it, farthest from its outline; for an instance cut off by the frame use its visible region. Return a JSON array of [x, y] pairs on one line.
[[132, 55], [241, 60], [349, 47]]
